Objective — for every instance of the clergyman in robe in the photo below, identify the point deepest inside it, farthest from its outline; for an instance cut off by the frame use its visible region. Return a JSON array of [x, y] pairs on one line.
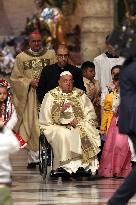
[[24, 79], [68, 120]]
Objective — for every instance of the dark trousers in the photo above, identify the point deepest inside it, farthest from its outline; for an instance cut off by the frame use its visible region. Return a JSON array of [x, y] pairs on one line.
[[128, 188]]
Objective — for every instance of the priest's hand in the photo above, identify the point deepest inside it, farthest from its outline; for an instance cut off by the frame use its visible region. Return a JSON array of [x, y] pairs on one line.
[[34, 83], [65, 106], [74, 123]]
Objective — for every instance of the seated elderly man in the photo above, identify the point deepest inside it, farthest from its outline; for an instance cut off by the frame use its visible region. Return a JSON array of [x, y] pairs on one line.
[[68, 120]]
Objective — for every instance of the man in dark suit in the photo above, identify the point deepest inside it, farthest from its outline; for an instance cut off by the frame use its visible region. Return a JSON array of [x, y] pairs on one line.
[[127, 125], [50, 74]]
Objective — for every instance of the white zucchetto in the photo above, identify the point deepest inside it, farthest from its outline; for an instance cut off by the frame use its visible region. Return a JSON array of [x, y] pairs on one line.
[[65, 73]]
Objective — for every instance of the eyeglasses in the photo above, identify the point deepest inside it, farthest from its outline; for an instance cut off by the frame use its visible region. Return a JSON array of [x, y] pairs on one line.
[[36, 41], [62, 56]]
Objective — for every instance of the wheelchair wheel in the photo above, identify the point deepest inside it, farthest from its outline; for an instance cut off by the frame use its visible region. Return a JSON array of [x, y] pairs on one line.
[[42, 156]]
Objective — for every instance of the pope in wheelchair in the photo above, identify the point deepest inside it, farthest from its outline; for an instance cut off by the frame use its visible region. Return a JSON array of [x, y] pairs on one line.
[[68, 120]]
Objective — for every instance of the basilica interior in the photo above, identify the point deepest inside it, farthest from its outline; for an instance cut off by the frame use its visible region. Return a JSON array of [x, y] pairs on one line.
[[83, 25]]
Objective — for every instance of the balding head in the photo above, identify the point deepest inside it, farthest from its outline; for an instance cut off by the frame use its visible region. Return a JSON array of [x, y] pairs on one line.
[[62, 46], [33, 34], [62, 55], [35, 41]]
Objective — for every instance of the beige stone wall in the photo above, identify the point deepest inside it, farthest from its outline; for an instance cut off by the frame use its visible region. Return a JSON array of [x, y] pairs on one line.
[[14, 14], [95, 18], [96, 23]]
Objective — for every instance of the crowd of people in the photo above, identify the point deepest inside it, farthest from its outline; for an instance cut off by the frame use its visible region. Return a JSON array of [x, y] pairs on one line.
[[7, 60], [76, 108]]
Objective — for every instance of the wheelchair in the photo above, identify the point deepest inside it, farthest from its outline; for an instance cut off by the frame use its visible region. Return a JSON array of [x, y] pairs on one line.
[[45, 156], [46, 159]]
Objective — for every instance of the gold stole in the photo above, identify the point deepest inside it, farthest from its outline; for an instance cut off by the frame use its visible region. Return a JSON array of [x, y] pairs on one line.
[[88, 150]]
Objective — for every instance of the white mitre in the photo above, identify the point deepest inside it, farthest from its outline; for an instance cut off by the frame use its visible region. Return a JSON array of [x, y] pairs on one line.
[[65, 73]]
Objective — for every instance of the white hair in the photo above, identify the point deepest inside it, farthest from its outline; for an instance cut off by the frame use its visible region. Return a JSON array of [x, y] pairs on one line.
[[65, 73]]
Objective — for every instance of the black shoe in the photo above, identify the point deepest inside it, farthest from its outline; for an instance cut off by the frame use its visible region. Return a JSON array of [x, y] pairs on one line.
[[31, 165], [80, 169], [89, 172], [64, 173], [60, 172], [81, 172], [54, 174]]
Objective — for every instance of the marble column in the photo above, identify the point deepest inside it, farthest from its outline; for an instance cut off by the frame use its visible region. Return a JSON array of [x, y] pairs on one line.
[[96, 23]]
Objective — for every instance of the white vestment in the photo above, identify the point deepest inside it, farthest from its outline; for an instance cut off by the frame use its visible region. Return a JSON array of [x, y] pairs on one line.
[[67, 142], [103, 66]]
